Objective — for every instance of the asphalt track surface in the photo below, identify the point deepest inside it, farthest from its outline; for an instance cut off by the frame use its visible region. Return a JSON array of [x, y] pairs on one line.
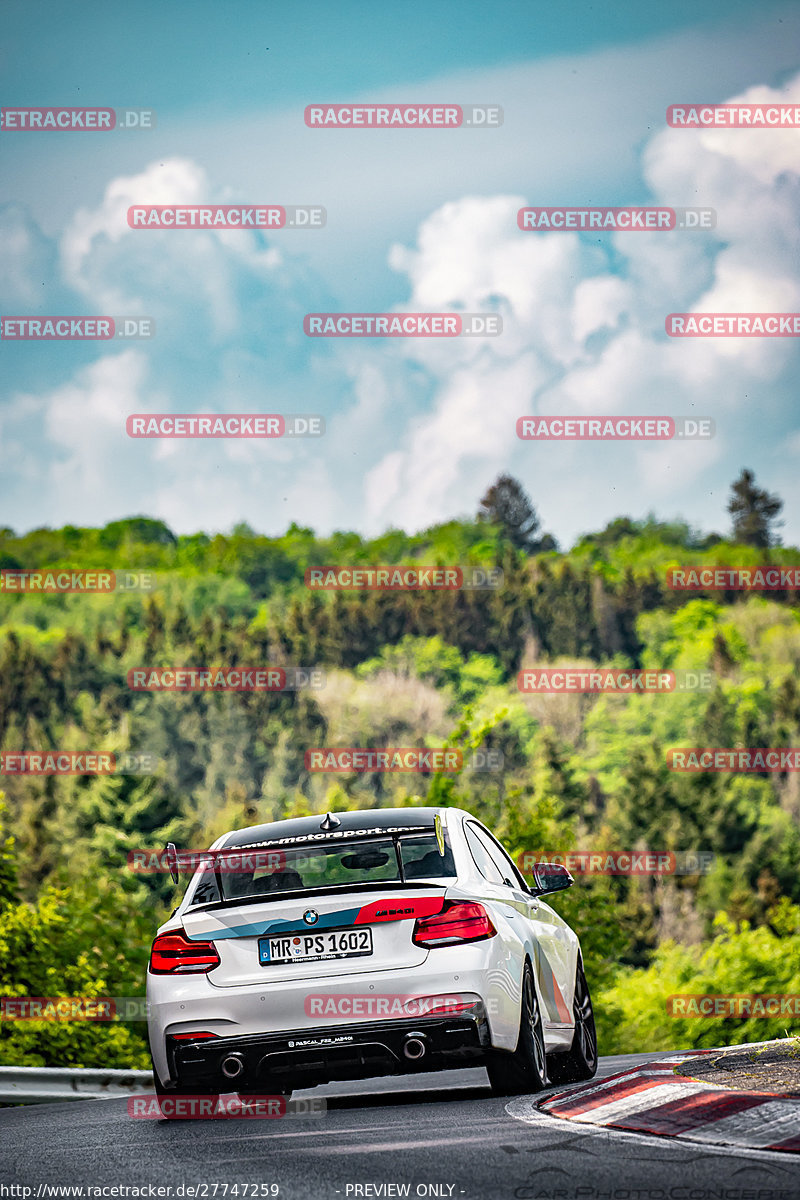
[[443, 1134]]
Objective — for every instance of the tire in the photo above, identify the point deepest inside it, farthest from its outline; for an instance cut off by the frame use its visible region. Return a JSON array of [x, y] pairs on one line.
[[523, 1070], [580, 1061]]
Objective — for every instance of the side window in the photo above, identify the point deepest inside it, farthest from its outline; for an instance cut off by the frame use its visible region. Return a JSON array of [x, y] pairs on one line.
[[508, 872], [422, 860], [206, 891], [483, 860]]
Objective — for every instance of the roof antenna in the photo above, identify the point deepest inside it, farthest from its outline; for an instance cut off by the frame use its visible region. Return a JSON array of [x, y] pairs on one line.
[[330, 822]]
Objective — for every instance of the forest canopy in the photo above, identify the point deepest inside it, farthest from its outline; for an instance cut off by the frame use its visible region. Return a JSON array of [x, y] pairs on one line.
[[427, 668]]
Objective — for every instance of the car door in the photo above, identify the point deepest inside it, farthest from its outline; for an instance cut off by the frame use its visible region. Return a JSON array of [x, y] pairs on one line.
[[505, 975], [554, 945]]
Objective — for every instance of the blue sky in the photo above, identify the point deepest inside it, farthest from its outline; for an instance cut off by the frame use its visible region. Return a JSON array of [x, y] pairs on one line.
[[191, 55], [416, 220]]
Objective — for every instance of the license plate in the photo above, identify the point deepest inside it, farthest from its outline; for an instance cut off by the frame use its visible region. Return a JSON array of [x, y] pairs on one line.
[[314, 947]]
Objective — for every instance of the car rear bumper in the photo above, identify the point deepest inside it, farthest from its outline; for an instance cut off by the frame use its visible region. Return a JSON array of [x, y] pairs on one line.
[[304, 1058], [179, 1004]]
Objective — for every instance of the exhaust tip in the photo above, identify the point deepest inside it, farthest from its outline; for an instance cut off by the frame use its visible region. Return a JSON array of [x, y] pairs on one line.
[[232, 1066], [415, 1046]]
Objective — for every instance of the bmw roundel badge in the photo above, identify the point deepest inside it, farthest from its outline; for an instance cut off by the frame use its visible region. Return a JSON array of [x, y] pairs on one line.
[[310, 916]]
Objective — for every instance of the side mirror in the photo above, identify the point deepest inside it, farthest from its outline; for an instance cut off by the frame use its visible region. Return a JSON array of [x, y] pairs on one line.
[[172, 861], [550, 877]]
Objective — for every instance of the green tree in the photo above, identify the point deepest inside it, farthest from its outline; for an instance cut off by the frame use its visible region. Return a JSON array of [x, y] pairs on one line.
[[9, 875], [507, 505], [634, 1012], [753, 511], [88, 937]]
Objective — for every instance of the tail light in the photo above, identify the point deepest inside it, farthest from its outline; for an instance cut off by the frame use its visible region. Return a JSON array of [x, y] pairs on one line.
[[193, 1037], [173, 954], [450, 1008], [459, 921]]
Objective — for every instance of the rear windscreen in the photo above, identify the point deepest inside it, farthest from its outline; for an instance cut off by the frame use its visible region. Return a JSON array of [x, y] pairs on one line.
[[341, 864]]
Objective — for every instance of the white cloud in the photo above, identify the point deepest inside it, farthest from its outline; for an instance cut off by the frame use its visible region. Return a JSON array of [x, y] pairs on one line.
[[417, 429], [471, 427], [123, 269], [598, 304], [579, 340], [78, 429], [174, 182]]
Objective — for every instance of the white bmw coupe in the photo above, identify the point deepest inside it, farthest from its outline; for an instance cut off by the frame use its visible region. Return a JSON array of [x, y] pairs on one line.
[[366, 943]]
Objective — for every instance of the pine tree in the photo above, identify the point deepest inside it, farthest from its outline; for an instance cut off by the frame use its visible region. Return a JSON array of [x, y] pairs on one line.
[[507, 505], [753, 511]]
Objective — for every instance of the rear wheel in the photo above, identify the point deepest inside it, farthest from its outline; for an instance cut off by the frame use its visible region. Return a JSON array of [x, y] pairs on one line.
[[580, 1061], [525, 1069]]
